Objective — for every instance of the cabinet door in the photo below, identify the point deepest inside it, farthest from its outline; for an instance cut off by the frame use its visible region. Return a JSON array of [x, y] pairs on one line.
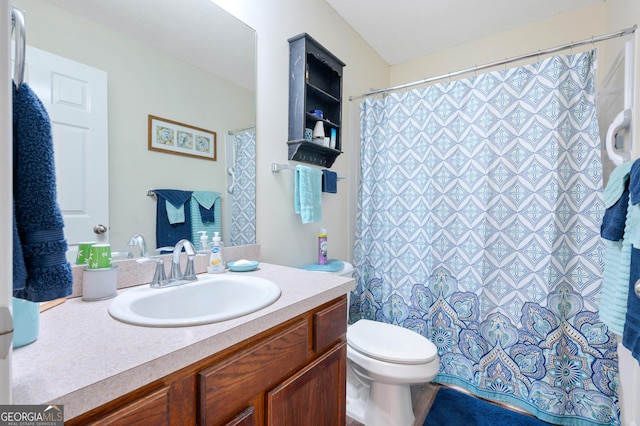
[[230, 385], [314, 396], [245, 418], [152, 409]]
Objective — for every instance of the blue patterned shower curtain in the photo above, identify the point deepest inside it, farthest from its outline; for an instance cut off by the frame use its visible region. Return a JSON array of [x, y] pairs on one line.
[[243, 204], [478, 226]]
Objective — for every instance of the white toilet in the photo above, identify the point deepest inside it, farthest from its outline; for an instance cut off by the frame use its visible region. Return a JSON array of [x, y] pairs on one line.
[[383, 361]]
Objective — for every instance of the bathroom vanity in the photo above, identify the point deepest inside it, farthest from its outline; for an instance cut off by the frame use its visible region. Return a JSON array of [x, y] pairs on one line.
[[284, 364]]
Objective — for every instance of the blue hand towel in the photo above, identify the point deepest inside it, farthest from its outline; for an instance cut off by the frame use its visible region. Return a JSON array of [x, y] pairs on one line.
[[167, 233], [329, 181], [37, 215], [174, 206], [614, 218], [206, 200], [308, 194], [618, 181]]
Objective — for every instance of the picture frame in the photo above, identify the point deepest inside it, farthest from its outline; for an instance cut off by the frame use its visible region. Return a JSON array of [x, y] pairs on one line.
[[182, 139]]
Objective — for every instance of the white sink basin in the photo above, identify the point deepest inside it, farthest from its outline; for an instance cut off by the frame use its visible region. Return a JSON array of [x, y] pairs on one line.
[[212, 298]]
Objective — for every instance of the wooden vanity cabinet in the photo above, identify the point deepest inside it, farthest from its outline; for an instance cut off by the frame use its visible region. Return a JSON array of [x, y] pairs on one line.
[[151, 409], [292, 374]]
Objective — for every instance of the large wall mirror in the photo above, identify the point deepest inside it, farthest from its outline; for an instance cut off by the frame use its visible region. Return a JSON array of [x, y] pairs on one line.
[[188, 61]]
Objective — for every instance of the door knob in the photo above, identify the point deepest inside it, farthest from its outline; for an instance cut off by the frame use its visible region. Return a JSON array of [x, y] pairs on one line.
[[99, 229]]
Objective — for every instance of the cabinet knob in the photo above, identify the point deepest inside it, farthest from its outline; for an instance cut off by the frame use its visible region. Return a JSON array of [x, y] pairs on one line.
[[636, 287]]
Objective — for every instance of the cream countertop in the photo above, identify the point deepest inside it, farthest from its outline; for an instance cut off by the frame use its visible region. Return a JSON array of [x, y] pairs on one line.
[[84, 358]]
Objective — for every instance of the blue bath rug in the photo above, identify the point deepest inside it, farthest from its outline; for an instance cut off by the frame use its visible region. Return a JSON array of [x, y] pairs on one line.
[[452, 408]]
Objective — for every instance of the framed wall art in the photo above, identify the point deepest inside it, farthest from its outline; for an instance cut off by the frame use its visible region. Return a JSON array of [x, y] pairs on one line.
[[182, 139]]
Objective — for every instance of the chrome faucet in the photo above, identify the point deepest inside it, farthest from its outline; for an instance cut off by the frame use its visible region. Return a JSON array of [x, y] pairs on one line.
[[177, 277], [138, 240]]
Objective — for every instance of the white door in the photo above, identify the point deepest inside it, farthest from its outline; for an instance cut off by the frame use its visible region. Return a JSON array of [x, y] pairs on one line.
[[75, 96]]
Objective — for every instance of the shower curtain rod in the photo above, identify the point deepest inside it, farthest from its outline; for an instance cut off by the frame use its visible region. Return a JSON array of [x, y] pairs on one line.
[[244, 129], [571, 45]]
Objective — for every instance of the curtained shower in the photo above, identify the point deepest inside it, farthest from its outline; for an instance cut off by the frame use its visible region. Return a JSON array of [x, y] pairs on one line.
[[478, 223], [243, 188]]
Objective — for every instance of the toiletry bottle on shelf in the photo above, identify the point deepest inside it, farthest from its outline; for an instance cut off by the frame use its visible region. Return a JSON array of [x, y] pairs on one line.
[[318, 130], [216, 263], [204, 240], [322, 246]]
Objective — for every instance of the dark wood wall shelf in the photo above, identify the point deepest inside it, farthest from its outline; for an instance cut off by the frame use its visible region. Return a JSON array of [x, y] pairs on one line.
[[315, 83]]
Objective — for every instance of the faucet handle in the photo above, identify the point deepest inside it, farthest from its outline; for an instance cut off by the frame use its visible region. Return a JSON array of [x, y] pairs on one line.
[[159, 277], [190, 272]]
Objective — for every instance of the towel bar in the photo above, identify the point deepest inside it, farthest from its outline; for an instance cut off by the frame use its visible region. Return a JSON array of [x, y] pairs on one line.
[[275, 168]]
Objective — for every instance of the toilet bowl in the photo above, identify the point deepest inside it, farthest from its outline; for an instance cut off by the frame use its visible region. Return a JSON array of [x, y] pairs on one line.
[[383, 361]]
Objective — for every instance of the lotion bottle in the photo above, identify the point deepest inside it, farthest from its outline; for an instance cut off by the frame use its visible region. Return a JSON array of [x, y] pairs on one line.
[[216, 263], [204, 240], [322, 246]]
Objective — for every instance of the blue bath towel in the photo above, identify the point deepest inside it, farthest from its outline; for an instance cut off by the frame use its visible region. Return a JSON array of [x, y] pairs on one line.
[[631, 334], [38, 219], [308, 194], [329, 181], [19, 268], [167, 233], [616, 230]]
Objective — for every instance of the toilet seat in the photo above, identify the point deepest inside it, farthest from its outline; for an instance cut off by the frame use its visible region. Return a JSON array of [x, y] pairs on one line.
[[390, 343]]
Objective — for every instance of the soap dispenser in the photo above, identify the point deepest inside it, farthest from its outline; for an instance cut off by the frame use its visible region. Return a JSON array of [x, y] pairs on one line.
[[204, 240], [216, 263]]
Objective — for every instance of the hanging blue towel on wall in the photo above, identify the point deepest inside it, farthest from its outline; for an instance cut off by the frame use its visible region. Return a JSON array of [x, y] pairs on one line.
[[308, 194], [168, 233], [329, 181], [38, 219], [205, 214]]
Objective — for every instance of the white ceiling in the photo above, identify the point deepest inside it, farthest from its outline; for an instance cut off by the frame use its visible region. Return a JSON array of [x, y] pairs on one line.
[[402, 30], [399, 30]]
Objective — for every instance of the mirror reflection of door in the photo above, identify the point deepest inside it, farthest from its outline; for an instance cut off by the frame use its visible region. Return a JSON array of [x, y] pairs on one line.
[[75, 96]]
